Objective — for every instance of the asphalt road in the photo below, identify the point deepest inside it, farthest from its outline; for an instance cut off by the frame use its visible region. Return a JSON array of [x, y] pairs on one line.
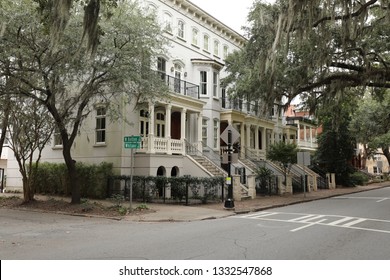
[[355, 226]]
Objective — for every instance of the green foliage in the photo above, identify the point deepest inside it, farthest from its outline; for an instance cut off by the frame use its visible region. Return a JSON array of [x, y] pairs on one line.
[[312, 49], [52, 178], [336, 148], [359, 179], [283, 153]]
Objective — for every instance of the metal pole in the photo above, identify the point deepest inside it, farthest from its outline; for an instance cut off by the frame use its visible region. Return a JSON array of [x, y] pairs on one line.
[[229, 203], [131, 180], [304, 174]]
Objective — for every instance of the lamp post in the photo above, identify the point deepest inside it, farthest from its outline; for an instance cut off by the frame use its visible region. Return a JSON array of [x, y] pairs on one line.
[[229, 202]]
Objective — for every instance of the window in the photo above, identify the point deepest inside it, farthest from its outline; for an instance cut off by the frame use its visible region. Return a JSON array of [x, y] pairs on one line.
[[161, 66], [206, 41], [216, 48], [203, 82], [160, 125], [144, 123], [215, 84], [216, 126], [167, 22], [225, 51], [204, 131], [195, 37], [180, 29], [57, 137], [101, 125]]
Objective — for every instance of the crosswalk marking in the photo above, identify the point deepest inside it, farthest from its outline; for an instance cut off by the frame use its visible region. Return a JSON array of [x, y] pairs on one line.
[[340, 221], [308, 220], [353, 222]]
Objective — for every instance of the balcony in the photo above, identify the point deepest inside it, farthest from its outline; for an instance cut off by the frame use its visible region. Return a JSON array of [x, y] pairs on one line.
[[180, 86], [253, 108]]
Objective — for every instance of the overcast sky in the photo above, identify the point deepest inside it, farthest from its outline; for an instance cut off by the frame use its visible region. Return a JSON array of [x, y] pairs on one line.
[[233, 13]]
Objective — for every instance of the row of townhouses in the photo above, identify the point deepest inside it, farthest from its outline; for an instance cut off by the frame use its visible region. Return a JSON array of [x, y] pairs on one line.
[[181, 136]]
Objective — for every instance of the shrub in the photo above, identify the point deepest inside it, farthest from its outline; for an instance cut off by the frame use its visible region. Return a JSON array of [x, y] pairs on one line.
[[52, 178], [359, 178]]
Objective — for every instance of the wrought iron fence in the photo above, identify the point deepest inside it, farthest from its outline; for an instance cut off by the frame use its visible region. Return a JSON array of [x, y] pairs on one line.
[[183, 190]]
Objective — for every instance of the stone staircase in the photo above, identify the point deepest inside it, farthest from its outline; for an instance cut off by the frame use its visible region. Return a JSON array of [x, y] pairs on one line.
[[214, 170]]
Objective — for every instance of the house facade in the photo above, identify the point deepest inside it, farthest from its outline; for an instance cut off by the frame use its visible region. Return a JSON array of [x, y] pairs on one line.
[[178, 134]]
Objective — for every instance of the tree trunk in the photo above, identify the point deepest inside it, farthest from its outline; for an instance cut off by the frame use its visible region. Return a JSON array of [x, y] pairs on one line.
[[72, 173], [28, 193], [386, 153]]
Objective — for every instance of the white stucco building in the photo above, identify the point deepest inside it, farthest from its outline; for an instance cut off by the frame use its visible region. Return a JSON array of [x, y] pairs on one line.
[[176, 131]]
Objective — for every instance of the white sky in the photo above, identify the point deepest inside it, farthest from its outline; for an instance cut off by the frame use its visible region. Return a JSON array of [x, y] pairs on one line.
[[233, 13]]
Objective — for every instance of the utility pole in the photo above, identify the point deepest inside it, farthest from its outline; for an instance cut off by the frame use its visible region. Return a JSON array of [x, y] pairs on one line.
[[229, 202]]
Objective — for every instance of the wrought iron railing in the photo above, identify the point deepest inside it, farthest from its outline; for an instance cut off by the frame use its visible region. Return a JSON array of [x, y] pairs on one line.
[[179, 86]]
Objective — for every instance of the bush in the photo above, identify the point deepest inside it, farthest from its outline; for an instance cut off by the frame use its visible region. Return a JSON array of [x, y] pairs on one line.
[[52, 178], [359, 178]]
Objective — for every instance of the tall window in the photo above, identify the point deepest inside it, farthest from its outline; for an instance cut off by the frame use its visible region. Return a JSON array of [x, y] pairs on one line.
[[167, 22], [216, 48], [225, 51], [161, 66], [204, 131], [215, 84], [100, 125], [206, 41], [180, 29], [143, 123], [160, 125], [57, 137], [195, 34], [203, 82], [215, 142]]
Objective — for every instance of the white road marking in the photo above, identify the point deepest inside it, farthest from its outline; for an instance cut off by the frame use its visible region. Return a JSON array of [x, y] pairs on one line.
[[309, 225], [309, 220], [340, 221], [353, 222], [301, 218]]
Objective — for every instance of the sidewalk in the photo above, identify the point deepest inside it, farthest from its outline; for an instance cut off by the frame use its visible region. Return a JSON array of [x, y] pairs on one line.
[[180, 213]]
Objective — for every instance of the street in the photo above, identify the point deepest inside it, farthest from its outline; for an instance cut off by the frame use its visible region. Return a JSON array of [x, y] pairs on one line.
[[349, 227]]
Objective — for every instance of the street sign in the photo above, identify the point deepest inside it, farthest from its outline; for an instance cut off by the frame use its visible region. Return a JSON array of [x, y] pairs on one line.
[[132, 142], [303, 158], [225, 133]]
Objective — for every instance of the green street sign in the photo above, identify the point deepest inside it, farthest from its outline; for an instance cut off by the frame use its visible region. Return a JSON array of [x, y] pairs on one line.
[[132, 145], [128, 139], [132, 142]]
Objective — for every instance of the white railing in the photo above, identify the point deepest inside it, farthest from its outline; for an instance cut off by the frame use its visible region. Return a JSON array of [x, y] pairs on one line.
[[161, 145]]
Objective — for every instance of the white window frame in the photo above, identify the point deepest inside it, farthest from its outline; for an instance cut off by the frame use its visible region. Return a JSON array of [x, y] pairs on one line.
[[195, 37], [215, 84], [181, 29], [204, 130], [206, 42], [215, 133], [101, 125], [203, 83], [216, 48], [168, 22]]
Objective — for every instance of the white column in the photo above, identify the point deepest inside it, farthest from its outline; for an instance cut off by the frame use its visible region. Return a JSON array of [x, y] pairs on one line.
[[200, 124], [242, 140], [168, 121], [257, 139], [151, 128], [168, 110], [183, 123], [248, 136]]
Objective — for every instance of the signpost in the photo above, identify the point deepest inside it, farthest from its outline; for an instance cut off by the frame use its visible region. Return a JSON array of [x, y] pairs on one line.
[[230, 135], [131, 142], [303, 158]]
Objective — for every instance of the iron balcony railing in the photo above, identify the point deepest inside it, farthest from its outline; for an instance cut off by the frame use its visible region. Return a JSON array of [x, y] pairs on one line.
[[179, 86], [253, 108]]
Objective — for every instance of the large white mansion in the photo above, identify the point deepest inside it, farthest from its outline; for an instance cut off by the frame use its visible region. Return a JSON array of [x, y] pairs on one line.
[[181, 134]]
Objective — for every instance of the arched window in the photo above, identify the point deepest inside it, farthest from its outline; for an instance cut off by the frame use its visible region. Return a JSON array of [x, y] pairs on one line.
[[206, 42], [161, 171], [167, 22], [180, 29], [175, 171]]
